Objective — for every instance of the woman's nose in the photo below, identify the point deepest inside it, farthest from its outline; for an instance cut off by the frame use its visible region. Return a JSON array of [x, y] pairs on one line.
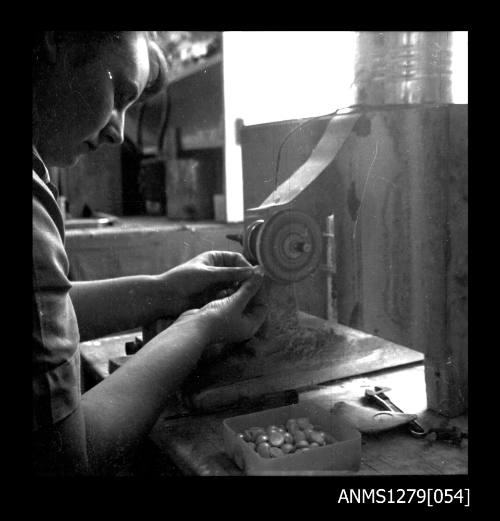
[[112, 133]]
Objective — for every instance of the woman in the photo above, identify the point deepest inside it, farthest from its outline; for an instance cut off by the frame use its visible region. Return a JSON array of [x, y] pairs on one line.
[[83, 85]]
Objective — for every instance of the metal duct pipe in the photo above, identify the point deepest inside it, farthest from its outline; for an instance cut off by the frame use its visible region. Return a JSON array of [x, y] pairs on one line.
[[402, 67]]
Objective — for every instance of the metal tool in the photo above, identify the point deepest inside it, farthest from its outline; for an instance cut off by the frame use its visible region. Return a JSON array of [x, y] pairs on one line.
[[452, 435], [368, 421], [378, 396]]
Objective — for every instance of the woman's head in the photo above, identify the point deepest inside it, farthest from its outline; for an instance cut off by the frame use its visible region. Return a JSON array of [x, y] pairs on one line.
[[83, 83]]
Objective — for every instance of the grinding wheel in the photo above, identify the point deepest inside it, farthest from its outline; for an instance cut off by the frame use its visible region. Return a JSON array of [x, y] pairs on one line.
[[288, 245]]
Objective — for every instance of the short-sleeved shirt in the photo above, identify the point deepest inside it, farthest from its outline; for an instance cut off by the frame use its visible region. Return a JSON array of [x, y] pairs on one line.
[[55, 351]]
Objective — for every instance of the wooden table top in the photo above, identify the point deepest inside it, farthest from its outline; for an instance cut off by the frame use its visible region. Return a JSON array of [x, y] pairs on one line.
[[195, 442]]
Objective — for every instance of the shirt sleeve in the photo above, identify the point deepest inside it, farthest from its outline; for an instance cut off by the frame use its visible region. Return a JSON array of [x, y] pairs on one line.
[[55, 353]]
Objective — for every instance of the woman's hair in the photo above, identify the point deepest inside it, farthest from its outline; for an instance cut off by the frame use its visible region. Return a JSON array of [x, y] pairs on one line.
[[92, 41], [158, 65]]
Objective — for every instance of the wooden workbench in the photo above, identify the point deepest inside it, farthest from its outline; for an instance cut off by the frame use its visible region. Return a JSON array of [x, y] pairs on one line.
[[195, 444]]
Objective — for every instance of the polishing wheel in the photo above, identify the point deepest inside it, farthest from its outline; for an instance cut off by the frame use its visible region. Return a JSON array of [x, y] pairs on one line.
[[287, 245]]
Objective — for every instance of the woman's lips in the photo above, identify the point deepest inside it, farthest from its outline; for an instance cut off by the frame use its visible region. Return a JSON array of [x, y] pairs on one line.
[[91, 146]]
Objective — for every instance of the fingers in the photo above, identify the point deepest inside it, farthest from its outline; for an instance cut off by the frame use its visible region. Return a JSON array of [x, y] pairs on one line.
[[236, 259], [248, 289], [226, 259], [228, 275], [192, 311]]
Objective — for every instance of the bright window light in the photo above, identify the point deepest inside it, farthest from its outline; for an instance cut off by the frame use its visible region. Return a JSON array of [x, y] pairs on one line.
[[459, 67], [280, 75]]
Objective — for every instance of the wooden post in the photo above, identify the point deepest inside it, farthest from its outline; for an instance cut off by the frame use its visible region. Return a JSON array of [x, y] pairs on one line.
[[401, 214], [446, 363]]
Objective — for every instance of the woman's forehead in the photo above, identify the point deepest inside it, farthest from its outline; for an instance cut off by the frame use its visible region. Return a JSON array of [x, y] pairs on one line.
[[130, 57]]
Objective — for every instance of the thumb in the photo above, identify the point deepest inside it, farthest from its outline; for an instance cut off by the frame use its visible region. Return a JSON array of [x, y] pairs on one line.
[[248, 289]]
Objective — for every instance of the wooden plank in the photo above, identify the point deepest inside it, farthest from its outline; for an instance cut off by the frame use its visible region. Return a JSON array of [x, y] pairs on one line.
[[427, 141], [325, 351], [458, 269], [395, 453], [196, 442], [442, 332], [447, 362]]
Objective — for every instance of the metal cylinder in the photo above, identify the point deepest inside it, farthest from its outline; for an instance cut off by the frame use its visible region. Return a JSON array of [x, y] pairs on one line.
[[403, 67], [418, 67], [370, 64]]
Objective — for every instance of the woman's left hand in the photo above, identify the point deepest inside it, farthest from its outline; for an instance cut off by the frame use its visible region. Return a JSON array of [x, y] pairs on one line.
[[201, 279]]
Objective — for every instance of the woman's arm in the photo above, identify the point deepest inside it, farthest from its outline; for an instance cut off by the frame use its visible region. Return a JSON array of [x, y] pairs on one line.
[[117, 414], [122, 409], [101, 435], [109, 306]]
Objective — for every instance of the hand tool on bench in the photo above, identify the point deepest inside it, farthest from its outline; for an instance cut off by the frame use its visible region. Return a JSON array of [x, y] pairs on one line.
[[378, 397], [452, 434]]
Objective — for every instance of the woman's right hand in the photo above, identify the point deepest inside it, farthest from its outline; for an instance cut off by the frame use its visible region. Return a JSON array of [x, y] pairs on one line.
[[233, 318]]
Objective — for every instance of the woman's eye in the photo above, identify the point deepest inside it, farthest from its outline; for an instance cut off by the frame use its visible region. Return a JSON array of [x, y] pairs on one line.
[[126, 97], [129, 100], [133, 95], [123, 102]]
